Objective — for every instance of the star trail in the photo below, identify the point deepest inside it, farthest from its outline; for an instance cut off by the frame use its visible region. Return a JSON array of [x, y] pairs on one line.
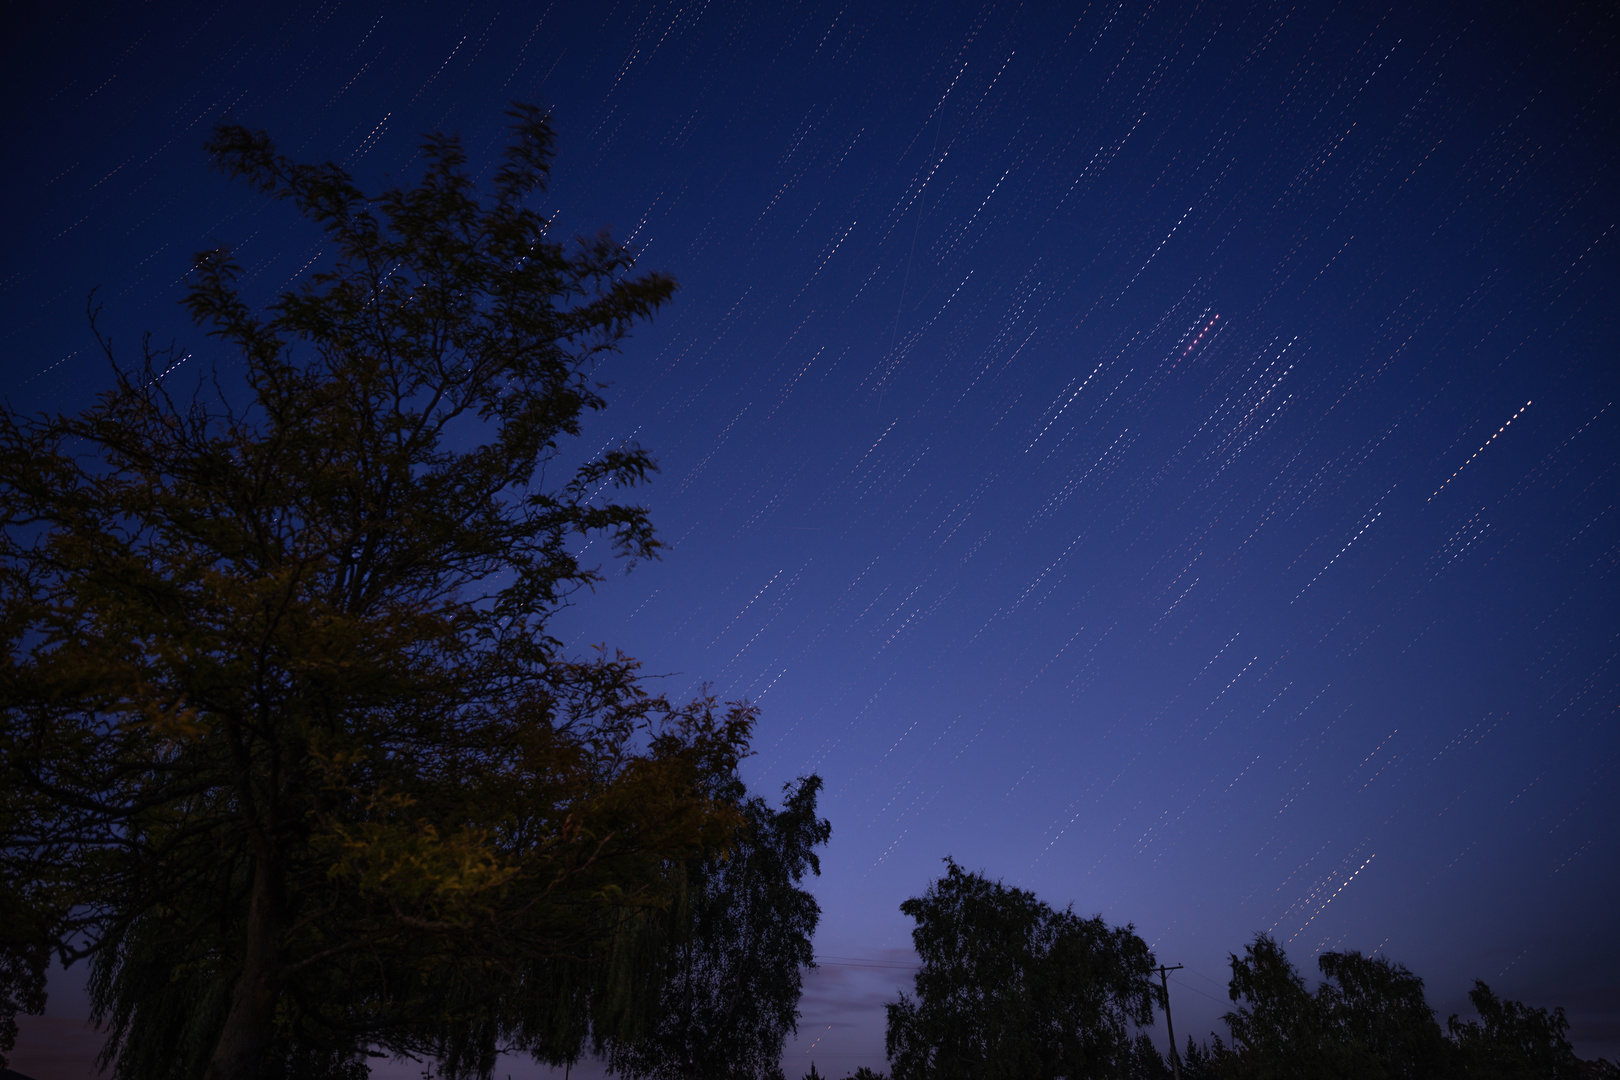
[[1162, 455]]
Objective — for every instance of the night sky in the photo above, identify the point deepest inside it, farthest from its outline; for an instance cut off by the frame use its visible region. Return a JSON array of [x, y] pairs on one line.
[[1164, 455]]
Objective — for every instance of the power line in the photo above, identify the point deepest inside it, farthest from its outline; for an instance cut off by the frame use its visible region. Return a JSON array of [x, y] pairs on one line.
[[862, 961], [1194, 989]]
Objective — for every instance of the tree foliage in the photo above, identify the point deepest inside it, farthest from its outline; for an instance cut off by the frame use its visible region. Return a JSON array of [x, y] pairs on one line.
[[1010, 987], [1277, 1029], [1368, 1020], [285, 748], [735, 973], [1512, 1041], [1378, 1019]]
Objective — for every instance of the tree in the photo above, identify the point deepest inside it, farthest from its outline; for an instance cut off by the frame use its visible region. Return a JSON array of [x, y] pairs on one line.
[[1201, 1062], [1008, 987], [1512, 1041], [1277, 1029], [1367, 1019], [734, 977], [285, 748], [1376, 1015]]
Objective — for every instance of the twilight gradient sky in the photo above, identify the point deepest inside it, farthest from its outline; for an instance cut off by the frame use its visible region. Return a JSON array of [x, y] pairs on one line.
[[1162, 454]]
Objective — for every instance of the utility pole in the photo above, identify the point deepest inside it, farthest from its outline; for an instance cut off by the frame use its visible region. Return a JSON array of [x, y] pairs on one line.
[[1164, 984]]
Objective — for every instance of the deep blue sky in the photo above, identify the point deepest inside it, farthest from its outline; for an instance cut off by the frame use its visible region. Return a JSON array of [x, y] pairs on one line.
[[1163, 455]]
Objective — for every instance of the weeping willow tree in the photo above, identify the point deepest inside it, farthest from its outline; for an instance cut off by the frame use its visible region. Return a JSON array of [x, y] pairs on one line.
[[738, 951], [287, 754]]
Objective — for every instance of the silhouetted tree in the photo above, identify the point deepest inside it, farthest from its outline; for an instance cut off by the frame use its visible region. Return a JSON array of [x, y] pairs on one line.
[[1368, 1020], [285, 748], [1143, 1061], [1377, 1021], [1277, 1028], [1010, 988], [735, 974], [1199, 1062], [1512, 1041]]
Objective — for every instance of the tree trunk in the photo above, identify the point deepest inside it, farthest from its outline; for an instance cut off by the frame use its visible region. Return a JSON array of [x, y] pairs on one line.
[[250, 1025]]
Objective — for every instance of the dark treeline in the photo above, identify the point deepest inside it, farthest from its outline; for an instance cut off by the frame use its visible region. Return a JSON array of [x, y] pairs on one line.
[[1368, 1018], [1011, 988]]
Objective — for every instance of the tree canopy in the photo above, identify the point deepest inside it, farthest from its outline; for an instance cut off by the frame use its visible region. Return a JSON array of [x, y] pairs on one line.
[[1513, 1041], [735, 973], [286, 751], [1368, 1020], [1010, 987]]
